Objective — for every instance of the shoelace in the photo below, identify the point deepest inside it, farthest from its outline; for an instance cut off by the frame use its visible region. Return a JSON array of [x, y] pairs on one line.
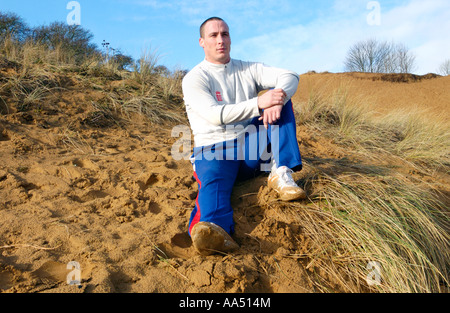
[[286, 177]]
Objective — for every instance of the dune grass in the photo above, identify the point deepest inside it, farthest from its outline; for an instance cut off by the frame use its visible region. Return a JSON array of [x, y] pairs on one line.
[[384, 220], [145, 91], [405, 133], [374, 213]]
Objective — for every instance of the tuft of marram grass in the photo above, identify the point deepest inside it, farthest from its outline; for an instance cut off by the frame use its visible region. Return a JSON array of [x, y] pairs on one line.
[[144, 69], [422, 140], [375, 214], [354, 219]]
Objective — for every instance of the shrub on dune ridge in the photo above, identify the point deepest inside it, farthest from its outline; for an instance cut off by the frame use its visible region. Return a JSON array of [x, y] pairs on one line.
[[39, 66]]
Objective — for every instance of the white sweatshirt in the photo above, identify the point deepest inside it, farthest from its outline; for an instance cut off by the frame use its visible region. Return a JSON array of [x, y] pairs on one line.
[[217, 95]]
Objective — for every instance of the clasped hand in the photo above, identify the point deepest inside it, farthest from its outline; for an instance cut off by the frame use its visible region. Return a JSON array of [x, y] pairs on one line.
[[272, 103]]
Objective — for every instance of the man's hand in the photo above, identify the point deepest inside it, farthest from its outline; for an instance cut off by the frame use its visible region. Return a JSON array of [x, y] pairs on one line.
[[271, 115], [271, 98]]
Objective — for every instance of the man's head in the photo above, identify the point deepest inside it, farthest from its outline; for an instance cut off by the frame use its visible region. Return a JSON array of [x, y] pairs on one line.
[[215, 40]]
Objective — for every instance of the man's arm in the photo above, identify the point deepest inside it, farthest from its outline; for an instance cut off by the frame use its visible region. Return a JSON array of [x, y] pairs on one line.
[[198, 95], [285, 83], [276, 78]]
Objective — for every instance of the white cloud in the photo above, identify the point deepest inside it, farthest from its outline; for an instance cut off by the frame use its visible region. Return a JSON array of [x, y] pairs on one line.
[[155, 4], [423, 26], [322, 44], [237, 12]]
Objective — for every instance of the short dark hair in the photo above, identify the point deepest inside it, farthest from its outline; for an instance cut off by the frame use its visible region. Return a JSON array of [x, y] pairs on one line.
[[214, 18]]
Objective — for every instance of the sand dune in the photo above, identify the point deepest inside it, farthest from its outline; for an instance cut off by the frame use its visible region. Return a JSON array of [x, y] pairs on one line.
[[113, 199]]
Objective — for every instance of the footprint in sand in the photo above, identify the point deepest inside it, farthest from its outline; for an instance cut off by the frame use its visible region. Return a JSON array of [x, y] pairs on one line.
[[52, 271], [180, 246], [150, 180], [6, 278], [85, 163], [71, 273]]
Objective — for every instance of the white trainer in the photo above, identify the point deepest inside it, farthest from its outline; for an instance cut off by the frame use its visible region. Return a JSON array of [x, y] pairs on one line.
[[281, 180]]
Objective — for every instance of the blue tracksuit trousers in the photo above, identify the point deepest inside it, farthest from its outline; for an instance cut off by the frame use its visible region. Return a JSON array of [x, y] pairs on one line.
[[217, 167]]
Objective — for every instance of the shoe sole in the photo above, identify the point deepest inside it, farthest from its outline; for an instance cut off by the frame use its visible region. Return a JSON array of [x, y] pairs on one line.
[[209, 238], [285, 196]]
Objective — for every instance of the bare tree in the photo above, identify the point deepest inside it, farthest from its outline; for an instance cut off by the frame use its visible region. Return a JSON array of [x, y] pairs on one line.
[[363, 56], [372, 56], [404, 59], [444, 69]]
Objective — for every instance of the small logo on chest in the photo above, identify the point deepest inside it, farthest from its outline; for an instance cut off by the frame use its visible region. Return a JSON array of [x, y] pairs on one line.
[[218, 96]]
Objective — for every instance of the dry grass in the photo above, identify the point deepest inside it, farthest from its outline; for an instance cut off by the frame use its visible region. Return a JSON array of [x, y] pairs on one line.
[[144, 69], [382, 219], [144, 92], [422, 141], [372, 212], [404, 133]]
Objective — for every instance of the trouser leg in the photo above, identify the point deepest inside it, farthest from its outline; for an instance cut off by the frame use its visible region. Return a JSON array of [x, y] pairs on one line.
[[288, 152], [215, 180], [280, 139]]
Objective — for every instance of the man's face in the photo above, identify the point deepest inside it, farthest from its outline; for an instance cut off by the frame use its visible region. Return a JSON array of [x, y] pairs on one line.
[[216, 42]]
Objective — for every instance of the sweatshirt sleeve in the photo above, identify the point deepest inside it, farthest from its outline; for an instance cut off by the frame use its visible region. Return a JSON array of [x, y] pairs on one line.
[[268, 77], [198, 97]]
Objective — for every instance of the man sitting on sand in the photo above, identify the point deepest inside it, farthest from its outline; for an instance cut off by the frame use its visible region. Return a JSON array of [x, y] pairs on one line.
[[231, 122]]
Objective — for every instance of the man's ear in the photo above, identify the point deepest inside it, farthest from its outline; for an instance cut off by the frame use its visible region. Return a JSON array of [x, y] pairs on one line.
[[201, 42]]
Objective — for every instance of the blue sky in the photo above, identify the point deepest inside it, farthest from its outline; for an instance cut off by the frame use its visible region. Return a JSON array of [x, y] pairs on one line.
[[293, 34]]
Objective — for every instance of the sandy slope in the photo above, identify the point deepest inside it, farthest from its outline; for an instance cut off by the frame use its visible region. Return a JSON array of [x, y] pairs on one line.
[[382, 93], [114, 200]]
